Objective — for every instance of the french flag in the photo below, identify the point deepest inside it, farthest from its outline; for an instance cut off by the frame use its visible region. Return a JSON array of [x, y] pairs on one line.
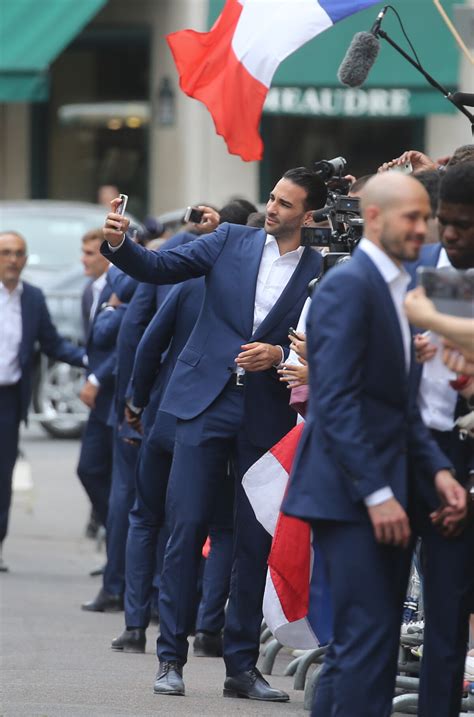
[[296, 604], [230, 68]]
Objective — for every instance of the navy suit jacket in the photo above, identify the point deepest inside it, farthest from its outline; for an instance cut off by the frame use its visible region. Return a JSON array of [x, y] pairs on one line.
[[143, 305], [158, 352], [101, 360], [363, 424], [429, 256], [229, 258], [38, 327]]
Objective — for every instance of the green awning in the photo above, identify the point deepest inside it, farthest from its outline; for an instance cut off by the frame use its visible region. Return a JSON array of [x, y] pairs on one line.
[[314, 66], [32, 35]]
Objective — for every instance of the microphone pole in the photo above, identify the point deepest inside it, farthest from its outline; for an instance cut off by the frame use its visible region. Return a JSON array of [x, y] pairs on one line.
[[448, 95]]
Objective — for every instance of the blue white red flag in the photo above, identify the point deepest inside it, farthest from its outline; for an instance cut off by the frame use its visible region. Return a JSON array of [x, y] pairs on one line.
[[230, 68], [296, 604]]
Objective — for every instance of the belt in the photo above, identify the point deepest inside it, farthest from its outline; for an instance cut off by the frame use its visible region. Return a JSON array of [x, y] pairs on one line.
[[237, 379]]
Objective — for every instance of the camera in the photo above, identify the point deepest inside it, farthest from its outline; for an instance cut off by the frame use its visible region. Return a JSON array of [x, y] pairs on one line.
[[341, 212]]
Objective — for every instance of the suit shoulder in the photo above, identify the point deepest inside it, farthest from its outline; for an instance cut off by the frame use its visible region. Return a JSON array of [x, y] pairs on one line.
[[33, 291]]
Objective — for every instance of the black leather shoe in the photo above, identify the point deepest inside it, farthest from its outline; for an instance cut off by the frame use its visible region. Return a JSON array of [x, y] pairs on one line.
[[169, 679], [104, 602], [130, 641], [207, 645], [251, 685]]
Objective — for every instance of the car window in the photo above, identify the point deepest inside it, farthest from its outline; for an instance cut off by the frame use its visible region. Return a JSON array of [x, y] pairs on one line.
[[52, 241]]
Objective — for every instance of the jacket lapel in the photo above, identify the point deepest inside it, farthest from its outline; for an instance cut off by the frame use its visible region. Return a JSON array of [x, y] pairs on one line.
[[307, 268], [385, 301], [27, 311], [252, 250]]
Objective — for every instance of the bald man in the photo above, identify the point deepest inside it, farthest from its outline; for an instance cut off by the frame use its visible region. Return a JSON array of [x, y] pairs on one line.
[[24, 322], [362, 431]]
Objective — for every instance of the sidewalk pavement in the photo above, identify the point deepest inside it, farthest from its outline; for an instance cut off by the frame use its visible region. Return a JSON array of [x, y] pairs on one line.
[[56, 660]]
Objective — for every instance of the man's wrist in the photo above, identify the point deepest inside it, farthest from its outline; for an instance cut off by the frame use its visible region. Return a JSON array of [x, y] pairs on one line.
[[378, 496], [92, 378], [115, 247], [280, 359]]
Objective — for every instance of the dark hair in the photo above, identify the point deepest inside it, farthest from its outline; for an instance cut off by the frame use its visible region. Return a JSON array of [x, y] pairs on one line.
[[236, 211], [457, 184], [256, 219], [357, 185], [465, 153], [316, 192], [430, 179]]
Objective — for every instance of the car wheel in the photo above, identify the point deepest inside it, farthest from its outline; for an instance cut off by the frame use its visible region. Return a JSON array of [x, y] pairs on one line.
[[56, 399]]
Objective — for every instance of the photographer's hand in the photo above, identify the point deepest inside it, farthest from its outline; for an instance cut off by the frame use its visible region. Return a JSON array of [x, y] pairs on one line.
[[418, 160], [298, 344], [424, 350]]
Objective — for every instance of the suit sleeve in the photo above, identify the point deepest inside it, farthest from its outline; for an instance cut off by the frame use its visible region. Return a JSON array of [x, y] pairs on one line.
[[152, 346], [105, 373], [170, 266], [337, 350], [106, 326], [54, 345]]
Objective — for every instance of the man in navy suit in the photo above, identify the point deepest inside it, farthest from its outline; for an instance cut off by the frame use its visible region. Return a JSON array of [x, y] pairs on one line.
[[448, 574], [95, 459], [25, 320], [229, 402], [363, 427]]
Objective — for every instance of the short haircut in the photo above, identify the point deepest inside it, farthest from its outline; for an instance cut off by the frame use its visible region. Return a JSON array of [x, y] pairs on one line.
[[431, 180], [256, 219], [316, 192], [93, 235], [236, 211], [457, 184], [359, 183], [465, 153]]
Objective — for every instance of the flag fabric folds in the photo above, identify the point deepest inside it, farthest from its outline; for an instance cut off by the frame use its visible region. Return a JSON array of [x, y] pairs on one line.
[[296, 604], [230, 68]]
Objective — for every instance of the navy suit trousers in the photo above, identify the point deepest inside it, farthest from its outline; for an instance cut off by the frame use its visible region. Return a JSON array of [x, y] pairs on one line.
[[202, 450], [95, 463], [367, 582], [122, 495], [9, 432], [448, 593]]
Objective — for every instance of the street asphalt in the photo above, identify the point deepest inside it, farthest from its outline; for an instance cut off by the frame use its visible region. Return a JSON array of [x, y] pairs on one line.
[[56, 660]]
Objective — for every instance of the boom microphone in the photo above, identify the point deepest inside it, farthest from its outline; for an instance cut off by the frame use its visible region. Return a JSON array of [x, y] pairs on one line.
[[359, 59], [463, 98], [361, 55]]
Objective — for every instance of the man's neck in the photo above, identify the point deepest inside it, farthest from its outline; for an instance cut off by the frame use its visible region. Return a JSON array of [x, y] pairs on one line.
[[10, 286], [287, 244]]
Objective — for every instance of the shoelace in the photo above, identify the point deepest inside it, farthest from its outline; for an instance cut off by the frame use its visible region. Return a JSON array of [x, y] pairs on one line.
[[166, 667], [256, 674]]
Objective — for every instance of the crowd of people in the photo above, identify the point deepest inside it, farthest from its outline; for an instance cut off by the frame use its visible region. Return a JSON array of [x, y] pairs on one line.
[[188, 362]]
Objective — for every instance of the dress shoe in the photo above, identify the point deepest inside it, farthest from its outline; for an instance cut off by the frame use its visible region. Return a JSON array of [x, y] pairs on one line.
[[130, 641], [104, 602], [169, 679], [3, 567], [207, 644], [251, 685], [97, 571]]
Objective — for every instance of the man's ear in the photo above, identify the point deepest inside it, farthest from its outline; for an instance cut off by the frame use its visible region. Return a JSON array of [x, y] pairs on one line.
[[308, 218]]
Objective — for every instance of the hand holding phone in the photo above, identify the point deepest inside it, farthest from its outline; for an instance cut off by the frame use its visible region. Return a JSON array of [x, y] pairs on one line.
[[194, 215], [123, 205]]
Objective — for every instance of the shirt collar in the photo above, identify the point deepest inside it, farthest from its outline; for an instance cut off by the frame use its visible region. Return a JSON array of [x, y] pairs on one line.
[[99, 283], [271, 240], [17, 291], [443, 260], [389, 270]]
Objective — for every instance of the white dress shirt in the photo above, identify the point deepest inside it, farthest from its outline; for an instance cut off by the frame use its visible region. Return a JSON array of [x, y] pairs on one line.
[[97, 287], [11, 331], [397, 280], [436, 398], [274, 273]]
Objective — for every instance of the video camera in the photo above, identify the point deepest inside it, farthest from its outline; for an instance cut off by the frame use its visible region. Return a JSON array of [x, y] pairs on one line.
[[342, 213]]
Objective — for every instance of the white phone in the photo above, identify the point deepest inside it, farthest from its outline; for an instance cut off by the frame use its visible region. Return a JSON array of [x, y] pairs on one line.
[[122, 207]]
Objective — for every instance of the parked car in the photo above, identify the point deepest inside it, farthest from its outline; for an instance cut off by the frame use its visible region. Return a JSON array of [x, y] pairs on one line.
[[53, 231]]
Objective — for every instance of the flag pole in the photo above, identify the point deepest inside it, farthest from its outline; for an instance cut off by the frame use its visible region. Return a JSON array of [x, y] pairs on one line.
[[453, 30]]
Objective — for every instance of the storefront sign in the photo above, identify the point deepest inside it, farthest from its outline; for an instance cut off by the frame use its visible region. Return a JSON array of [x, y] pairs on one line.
[[339, 102]]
